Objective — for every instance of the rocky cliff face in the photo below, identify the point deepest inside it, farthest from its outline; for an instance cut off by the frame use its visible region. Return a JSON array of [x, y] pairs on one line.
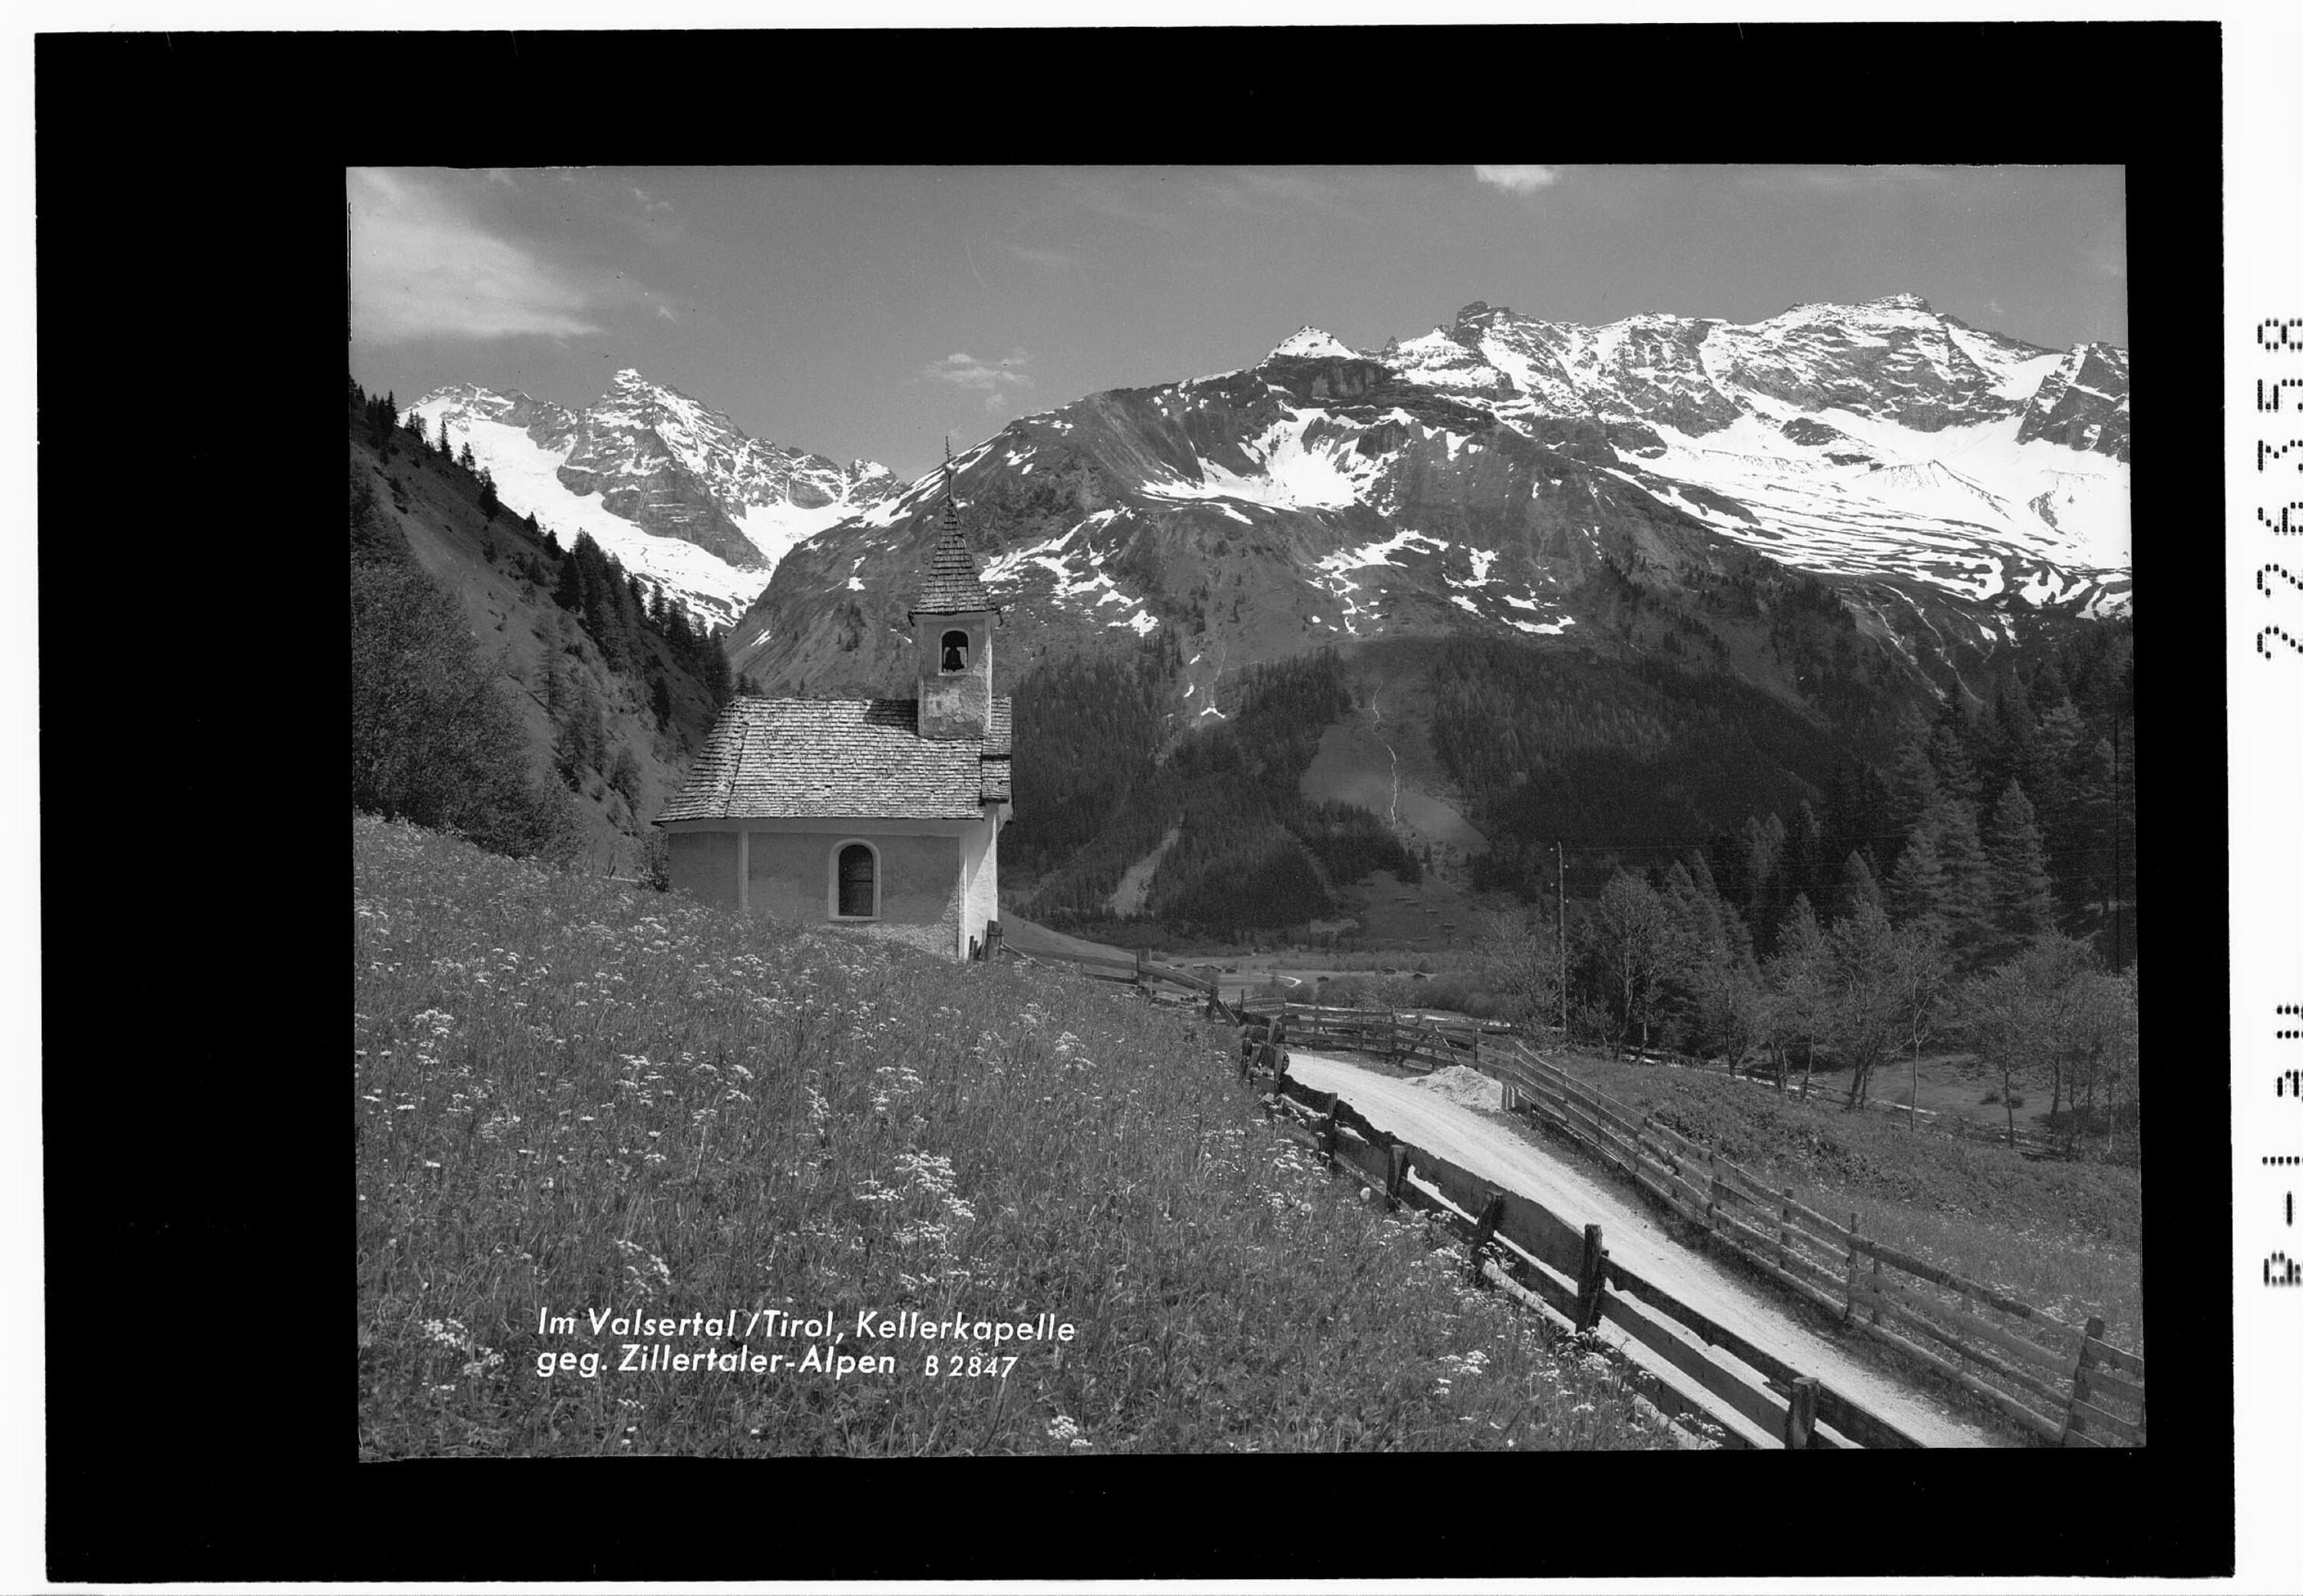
[[1944, 488], [678, 492]]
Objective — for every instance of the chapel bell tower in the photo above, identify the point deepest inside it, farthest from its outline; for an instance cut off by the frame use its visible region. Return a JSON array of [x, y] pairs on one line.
[[951, 633]]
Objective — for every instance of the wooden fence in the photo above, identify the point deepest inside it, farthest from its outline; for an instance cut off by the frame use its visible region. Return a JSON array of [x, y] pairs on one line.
[[1161, 983], [2065, 1384], [1517, 1244], [1403, 1036]]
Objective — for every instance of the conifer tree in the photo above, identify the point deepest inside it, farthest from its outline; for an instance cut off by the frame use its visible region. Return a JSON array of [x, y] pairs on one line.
[[1917, 887], [1947, 751], [2023, 898], [1806, 866], [1857, 885], [1911, 787], [1967, 883], [2015, 725]]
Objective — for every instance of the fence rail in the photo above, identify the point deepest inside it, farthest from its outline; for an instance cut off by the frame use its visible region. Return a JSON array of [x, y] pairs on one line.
[[2049, 1376], [1518, 1245], [1161, 983], [1402, 1036]]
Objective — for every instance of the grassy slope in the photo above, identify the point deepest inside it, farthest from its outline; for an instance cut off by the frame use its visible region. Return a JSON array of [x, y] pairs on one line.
[[574, 1095], [2063, 1236]]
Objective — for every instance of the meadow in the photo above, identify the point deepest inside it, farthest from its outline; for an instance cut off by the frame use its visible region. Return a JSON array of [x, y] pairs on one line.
[[575, 1096], [2063, 1235]]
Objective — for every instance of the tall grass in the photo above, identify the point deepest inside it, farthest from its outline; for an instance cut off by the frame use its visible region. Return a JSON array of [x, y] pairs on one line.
[[573, 1096]]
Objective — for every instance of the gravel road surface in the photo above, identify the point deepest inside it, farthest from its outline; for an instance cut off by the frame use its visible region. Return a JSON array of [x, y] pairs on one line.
[[1636, 1240]]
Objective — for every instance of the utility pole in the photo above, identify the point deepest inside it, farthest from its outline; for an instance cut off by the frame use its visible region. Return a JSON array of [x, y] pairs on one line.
[[1559, 857], [2117, 906]]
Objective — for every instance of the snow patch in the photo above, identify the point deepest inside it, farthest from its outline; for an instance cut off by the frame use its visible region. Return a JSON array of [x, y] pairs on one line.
[[1309, 341]]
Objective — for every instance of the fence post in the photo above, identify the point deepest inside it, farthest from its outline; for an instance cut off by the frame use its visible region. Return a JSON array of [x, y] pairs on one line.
[[1854, 1223], [1483, 1235], [1875, 1287], [1784, 1233], [1711, 1167], [2083, 1389], [1591, 1280], [1799, 1423], [992, 942], [1395, 1177], [1328, 1133]]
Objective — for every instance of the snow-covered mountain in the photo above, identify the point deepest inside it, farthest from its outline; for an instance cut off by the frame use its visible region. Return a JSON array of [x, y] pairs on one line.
[[1678, 483], [677, 493], [1871, 439]]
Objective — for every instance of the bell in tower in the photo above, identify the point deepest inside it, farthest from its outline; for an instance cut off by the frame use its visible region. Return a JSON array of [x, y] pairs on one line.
[[952, 630]]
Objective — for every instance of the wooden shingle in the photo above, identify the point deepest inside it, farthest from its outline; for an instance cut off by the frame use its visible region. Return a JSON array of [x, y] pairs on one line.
[[770, 758]]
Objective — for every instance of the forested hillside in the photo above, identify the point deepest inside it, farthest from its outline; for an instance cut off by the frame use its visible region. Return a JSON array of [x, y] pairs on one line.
[[1100, 789], [537, 698]]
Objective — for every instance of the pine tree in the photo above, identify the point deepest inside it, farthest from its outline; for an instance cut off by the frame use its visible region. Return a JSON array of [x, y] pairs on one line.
[[1947, 751], [2023, 897], [2016, 724], [1967, 883], [445, 451], [1918, 890], [1857, 885], [1911, 787]]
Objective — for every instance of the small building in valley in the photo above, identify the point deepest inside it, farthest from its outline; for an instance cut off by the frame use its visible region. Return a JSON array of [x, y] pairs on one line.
[[881, 814]]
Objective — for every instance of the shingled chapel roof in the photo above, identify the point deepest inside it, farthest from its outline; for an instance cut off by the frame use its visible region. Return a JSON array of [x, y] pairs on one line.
[[778, 758]]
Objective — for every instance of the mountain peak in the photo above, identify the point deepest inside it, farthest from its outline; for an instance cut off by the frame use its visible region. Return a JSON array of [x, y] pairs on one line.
[[1308, 341]]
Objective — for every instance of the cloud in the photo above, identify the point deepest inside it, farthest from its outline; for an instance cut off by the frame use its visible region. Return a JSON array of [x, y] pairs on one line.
[[1054, 259], [420, 268], [1251, 188], [665, 311], [1517, 180], [1835, 179], [1107, 201], [994, 379]]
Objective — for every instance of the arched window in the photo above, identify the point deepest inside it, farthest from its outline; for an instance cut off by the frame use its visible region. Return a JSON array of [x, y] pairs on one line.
[[955, 653], [857, 886]]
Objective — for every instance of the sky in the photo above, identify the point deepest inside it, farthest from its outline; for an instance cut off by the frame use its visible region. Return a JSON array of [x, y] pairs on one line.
[[871, 312]]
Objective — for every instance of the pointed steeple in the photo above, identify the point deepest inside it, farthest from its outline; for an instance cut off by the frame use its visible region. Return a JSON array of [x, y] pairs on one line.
[[952, 586]]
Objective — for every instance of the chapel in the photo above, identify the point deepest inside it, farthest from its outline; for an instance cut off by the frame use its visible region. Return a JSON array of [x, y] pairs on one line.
[[880, 815]]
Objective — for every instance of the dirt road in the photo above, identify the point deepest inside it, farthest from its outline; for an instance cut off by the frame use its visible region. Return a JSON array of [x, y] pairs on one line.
[[1636, 1240]]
